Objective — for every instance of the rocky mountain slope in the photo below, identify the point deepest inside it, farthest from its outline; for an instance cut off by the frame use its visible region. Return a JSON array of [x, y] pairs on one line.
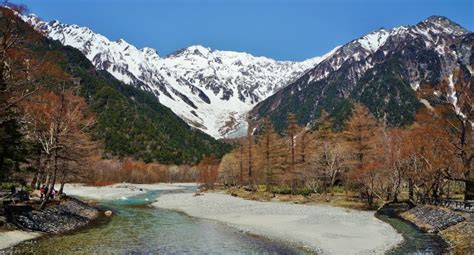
[[210, 89], [382, 70]]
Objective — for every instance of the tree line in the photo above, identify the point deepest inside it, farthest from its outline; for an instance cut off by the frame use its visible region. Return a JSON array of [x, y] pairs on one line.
[[43, 120], [425, 159]]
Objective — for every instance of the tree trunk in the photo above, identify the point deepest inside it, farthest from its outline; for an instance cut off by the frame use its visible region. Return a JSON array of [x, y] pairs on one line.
[[410, 190], [53, 182], [435, 193], [292, 153], [34, 180], [40, 179], [63, 181], [303, 152], [47, 178], [241, 164], [46, 196], [250, 158], [370, 198], [42, 175]]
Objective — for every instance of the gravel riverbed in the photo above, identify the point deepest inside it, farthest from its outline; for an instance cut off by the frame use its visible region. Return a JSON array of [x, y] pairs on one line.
[[324, 229]]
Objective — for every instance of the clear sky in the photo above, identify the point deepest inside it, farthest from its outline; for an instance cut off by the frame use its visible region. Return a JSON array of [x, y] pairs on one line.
[[280, 29]]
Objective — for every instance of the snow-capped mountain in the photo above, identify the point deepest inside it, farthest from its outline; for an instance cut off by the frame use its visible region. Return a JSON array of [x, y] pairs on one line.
[[211, 90], [382, 70], [436, 32]]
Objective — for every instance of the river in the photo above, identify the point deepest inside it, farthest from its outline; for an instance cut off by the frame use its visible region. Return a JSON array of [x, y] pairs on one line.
[[139, 228]]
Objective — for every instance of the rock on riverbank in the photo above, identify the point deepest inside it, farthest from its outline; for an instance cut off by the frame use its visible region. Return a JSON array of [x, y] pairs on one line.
[[432, 219], [68, 215], [457, 228]]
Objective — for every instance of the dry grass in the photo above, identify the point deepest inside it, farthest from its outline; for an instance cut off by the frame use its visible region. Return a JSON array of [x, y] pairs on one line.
[[337, 199], [461, 235]]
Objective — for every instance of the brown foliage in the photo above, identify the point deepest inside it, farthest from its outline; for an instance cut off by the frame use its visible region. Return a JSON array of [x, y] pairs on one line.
[[106, 172], [57, 124], [208, 171], [376, 161]]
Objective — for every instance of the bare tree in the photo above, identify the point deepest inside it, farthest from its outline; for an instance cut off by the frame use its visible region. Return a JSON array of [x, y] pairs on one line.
[[58, 123]]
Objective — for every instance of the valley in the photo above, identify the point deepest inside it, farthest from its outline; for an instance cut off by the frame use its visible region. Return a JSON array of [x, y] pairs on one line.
[[295, 133]]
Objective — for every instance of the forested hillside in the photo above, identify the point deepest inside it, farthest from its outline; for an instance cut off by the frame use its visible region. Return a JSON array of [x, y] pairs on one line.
[[131, 122]]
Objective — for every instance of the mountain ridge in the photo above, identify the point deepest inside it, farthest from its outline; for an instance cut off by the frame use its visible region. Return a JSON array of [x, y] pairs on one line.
[[409, 56], [214, 90], [210, 89]]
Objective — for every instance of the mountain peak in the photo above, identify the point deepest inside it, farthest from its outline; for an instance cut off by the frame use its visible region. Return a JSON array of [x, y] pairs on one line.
[[437, 19], [121, 41], [443, 24], [150, 52], [191, 50], [199, 49]]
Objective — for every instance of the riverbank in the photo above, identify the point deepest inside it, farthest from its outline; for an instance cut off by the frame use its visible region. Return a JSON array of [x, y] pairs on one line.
[[69, 213], [324, 229], [456, 228], [338, 199], [59, 216], [26, 222], [138, 228]]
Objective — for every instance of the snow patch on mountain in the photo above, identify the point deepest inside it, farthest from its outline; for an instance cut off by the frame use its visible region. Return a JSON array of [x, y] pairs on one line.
[[374, 40]]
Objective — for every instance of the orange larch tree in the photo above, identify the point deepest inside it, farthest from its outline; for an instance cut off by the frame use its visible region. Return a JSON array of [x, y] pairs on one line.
[[361, 136]]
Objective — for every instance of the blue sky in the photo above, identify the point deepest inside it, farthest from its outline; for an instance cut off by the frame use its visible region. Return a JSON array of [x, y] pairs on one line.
[[280, 29]]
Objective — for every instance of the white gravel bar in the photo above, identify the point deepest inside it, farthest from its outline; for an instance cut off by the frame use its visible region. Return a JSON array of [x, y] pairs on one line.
[[12, 238], [119, 190], [324, 229]]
